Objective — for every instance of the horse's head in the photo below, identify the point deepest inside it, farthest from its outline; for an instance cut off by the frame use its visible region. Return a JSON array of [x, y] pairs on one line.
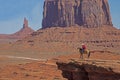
[[79, 48]]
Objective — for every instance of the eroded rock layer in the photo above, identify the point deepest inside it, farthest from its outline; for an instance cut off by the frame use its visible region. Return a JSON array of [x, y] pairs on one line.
[[90, 70], [64, 13]]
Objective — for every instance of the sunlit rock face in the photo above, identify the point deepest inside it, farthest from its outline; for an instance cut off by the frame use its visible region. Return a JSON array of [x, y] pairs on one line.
[[65, 13], [90, 70]]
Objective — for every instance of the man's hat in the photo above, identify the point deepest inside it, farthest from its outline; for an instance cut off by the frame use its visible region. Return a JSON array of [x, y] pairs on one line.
[[82, 44]]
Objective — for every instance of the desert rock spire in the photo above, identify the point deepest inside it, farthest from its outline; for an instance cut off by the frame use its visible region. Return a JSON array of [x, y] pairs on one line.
[[25, 23], [64, 13]]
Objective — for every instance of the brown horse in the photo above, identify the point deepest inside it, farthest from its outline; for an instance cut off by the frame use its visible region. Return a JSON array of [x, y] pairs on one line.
[[82, 51]]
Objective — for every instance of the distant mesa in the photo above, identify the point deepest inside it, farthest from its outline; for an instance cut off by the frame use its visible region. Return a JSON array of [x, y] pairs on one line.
[[66, 13], [20, 34]]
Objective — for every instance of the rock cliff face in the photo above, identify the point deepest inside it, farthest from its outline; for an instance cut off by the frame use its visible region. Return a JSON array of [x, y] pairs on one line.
[[90, 70], [64, 13]]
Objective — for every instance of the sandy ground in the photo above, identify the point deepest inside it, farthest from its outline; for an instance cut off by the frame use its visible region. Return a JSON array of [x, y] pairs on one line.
[[26, 68], [22, 65]]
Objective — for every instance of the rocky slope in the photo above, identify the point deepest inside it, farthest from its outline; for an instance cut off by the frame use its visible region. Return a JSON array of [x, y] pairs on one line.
[[90, 70], [70, 38], [26, 30], [64, 13]]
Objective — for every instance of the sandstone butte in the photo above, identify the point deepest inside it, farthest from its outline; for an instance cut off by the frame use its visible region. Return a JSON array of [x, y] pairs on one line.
[[87, 13], [95, 30], [66, 25]]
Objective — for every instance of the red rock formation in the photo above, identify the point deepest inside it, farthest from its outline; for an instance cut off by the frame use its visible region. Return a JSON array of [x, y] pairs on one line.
[[19, 34], [57, 39], [68, 39], [90, 70], [64, 13], [25, 24], [26, 30]]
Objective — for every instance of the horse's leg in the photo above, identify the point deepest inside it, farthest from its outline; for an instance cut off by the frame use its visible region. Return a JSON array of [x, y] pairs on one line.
[[81, 56], [89, 54]]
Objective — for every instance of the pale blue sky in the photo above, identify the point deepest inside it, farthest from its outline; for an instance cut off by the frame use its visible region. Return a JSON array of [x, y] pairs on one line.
[[12, 13]]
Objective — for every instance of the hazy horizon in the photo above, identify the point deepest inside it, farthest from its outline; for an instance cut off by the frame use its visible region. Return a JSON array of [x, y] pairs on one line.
[[13, 12]]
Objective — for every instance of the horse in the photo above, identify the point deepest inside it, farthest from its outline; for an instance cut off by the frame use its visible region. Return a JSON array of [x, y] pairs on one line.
[[82, 51]]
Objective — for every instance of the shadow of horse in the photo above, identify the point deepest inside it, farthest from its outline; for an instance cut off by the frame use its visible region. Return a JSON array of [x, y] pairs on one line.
[[82, 52]]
